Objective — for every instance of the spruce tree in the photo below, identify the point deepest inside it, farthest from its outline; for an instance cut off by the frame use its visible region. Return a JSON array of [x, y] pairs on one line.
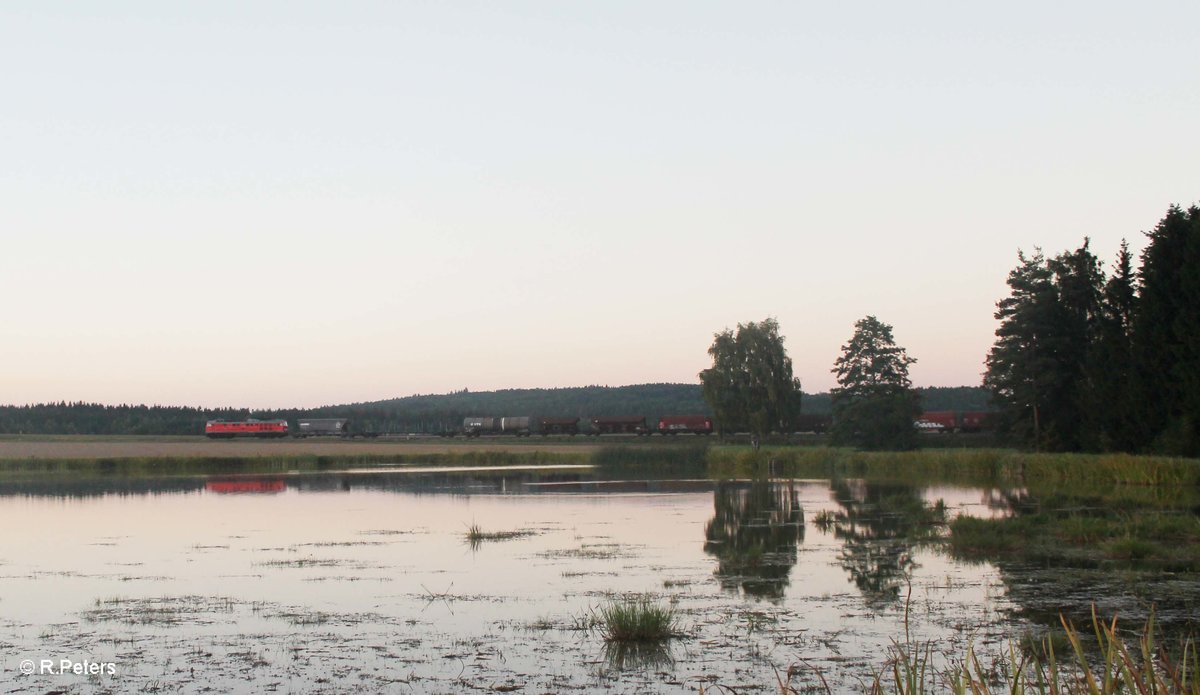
[[874, 406], [1109, 397], [1166, 335], [1020, 364]]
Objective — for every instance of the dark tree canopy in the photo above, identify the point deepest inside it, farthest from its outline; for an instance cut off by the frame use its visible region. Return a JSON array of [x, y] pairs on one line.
[[750, 386], [874, 405], [1037, 367], [1085, 361], [1109, 393], [1166, 334]]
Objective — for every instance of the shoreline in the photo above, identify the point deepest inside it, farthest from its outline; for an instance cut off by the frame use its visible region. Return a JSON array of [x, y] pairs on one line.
[[84, 447]]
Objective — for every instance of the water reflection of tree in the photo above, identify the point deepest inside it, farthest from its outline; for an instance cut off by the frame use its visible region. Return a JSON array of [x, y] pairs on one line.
[[754, 535], [880, 525]]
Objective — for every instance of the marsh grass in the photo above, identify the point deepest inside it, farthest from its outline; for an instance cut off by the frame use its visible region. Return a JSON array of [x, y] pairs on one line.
[[652, 459], [1112, 665], [1088, 537], [1066, 662], [977, 466], [638, 620], [476, 536], [1040, 472]]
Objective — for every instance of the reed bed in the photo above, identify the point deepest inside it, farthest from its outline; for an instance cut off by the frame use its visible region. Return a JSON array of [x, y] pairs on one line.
[[1070, 662], [974, 466]]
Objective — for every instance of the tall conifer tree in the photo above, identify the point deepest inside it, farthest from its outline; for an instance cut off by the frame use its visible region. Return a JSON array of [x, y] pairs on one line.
[[874, 406], [1167, 334]]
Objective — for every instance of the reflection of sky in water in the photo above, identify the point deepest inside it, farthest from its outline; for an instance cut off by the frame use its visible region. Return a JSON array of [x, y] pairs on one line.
[[343, 544]]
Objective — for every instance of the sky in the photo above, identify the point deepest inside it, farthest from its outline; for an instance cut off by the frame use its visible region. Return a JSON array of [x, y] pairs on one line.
[[293, 204]]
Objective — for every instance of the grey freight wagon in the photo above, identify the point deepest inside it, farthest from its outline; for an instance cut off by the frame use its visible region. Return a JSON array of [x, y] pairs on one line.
[[323, 427]]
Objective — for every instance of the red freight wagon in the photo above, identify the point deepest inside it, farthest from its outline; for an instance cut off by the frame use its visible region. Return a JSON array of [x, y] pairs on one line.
[[220, 429], [693, 424], [938, 421]]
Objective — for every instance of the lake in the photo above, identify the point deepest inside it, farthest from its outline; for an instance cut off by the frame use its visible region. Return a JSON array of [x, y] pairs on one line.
[[365, 580]]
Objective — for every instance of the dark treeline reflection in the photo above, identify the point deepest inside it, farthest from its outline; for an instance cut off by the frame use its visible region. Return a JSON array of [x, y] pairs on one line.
[[79, 488], [880, 525], [754, 534]]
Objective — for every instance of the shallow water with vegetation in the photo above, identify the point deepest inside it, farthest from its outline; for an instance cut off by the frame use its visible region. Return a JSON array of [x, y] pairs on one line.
[[386, 578]]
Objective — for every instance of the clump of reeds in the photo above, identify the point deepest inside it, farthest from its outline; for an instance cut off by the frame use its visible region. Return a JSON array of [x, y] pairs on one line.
[[1060, 664], [476, 535], [1115, 666], [638, 620]]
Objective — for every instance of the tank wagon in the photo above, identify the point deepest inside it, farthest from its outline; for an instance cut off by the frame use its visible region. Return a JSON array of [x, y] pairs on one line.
[[476, 426], [224, 429]]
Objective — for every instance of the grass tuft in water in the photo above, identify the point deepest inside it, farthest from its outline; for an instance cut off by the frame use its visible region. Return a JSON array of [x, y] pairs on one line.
[[638, 620], [476, 535]]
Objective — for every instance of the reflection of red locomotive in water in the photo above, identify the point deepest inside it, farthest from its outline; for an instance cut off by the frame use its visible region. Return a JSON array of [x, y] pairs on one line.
[[222, 429], [241, 486]]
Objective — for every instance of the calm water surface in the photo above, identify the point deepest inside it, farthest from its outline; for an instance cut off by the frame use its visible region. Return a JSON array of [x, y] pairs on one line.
[[365, 581]]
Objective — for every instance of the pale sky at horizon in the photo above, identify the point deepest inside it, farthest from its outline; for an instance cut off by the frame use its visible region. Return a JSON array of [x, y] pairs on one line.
[[297, 204]]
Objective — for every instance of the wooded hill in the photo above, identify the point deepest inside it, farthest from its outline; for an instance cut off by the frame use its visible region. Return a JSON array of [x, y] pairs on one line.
[[421, 413]]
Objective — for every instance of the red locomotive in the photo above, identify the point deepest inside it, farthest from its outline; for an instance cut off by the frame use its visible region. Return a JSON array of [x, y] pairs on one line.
[[222, 429]]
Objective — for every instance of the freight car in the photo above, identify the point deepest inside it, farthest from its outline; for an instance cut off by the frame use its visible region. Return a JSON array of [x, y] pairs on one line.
[[558, 425], [524, 426], [520, 426], [685, 424], [619, 425], [323, 427], [952, 421], [222, 429]]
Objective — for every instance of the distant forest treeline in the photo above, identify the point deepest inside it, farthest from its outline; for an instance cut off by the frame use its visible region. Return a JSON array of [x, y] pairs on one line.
[[421, 414]]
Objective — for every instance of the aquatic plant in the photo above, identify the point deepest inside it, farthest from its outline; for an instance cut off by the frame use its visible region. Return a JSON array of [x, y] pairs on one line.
[[1111, 666], [638, 620], [476, 535], [1061, 663]]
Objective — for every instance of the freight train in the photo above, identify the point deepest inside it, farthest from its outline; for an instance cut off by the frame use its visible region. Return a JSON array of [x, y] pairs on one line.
[[526, 426], [312, 427]]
